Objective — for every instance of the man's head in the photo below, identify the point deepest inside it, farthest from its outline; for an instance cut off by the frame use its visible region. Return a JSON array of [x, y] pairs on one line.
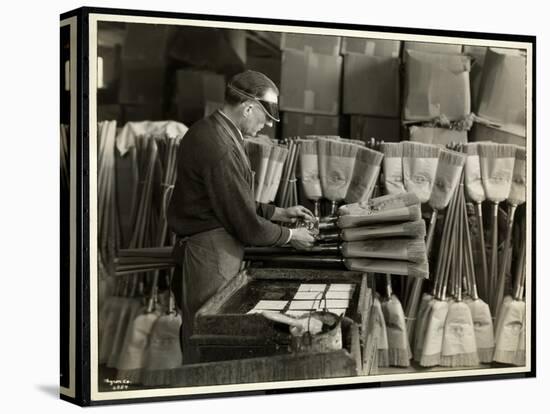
[[252, 99]]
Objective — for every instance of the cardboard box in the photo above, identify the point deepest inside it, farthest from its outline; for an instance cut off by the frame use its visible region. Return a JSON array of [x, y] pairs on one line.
[[310, 83], [297, 124], [271, 67], [436, 84], [480, 132], [321, 44], [477, 53], [198, 94], [428, 47], [146, 43], [141, 85], [502, 97], [371, 47], [146, 112], [382, 129], [438, 136], [371, 85]]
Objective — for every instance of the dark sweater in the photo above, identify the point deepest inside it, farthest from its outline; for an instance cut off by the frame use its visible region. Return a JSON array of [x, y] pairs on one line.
[[214, 188]]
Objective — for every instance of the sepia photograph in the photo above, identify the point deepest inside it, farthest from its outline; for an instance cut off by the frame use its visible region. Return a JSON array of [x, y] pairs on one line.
[[269, 205]]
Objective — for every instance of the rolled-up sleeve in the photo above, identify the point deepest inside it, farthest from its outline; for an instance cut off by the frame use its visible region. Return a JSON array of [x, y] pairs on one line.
[[233, 203]]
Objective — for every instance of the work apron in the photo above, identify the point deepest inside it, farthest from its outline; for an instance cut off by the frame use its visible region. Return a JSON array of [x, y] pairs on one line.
[[210, 259]]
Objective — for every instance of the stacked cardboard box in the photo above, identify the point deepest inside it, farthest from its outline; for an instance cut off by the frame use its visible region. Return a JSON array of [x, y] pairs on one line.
[[477, 54], [311, 70], [502, 98], [382, 129], [372, 88], [436, 85], [429, 47], [481, 132], [198, 94], [297, 124], [441, 136], [143, 64]]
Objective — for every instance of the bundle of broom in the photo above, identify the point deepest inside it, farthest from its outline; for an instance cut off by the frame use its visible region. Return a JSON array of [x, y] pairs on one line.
[[449, 165], [379, 236], [287, 194], [309, 173], [273, 174], [497, 168], [336, 165], [510, 325]]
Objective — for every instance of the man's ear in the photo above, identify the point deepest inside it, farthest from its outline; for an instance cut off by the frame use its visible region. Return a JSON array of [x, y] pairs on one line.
[[247, 109]]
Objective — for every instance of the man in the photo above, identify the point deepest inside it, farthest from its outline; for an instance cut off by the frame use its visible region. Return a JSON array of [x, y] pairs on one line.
[[213, 205]]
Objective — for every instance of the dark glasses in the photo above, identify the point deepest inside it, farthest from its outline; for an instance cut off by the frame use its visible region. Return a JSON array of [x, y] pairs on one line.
[[271, 109]]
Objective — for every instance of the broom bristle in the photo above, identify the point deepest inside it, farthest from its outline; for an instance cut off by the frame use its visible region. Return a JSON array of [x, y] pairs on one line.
[[452, 158], [369, 156], [521, 154], [470, 149], [383, 358], [415, 228], [430, 360], [486, 354], [519, 358], [419, 150], [390, 201], [415, 213], [398, 358], [132, 375], [392, 150], [418, 270], [460, 360], [504, 357], [488, 150], [416, 251], [308, 147]]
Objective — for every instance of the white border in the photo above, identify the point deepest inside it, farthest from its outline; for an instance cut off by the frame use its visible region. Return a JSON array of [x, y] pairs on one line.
[[164, 392], [72, 22]]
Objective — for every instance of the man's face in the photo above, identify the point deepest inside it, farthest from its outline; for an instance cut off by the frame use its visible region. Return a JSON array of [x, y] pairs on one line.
[[255, 117]]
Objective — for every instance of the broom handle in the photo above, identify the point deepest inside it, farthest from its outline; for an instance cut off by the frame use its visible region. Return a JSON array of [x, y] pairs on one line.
[[483, 251], [507, 255], [520, 272], [389, 290], [416, 284], [460, 249], [494, 252], [469, 258]]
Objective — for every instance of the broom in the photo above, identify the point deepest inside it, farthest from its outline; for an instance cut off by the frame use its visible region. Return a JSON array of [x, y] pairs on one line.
[[392, 167], [405, 214], [336, 163], [393, 267], [399, 352], [439, 307], [309, 172], [387, 202], [447, 175], [419, 168], [476, 193], [511, 319], [275, 156], [382, 342], [515, 198], [365, 175], [258, 154], [497, 167], [412, 250], [459, 342], [481, 314], [276, 183], [415, 229], [428, 301], [164, 351]]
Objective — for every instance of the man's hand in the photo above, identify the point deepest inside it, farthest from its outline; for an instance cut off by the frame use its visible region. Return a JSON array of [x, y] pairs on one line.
[[301, 239], [291, 214]]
